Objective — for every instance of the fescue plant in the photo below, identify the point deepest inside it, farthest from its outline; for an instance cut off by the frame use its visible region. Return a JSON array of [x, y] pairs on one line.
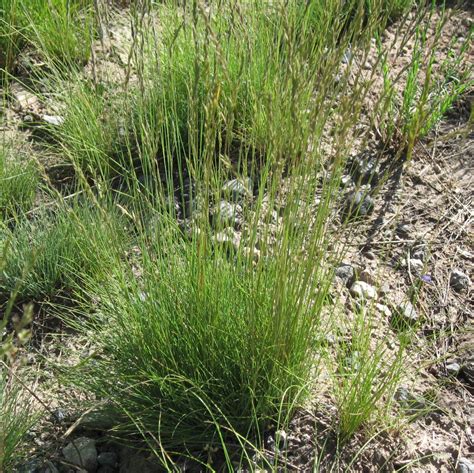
[[54, 250], [429, 87], [18, 185], [59, 31], [209, 345], [367, 374], [205, 342], [16, 419]]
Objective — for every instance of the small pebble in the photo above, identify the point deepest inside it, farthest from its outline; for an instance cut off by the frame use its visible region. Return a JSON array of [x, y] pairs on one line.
[[465, 466], [238, 189], [362, 290], [345, 272], [358, 204], [416, 265], [459, 281], [405, 316], [453, 368]]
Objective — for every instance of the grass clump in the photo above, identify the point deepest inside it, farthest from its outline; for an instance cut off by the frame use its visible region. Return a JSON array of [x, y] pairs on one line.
[[18, 185], [52, 252], [59, 31], [16, 419], [201, 348]]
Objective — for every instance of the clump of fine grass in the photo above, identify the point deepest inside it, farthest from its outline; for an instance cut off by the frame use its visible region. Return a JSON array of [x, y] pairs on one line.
[[60, 31], [16, 419], [54, 250], [368, 373], [430, 87], [203, 345], [18, 184]]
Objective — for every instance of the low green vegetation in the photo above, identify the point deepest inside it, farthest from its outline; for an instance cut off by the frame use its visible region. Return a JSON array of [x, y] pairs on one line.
[[207, 308], [56, 249], [18, 182], [58, 31]]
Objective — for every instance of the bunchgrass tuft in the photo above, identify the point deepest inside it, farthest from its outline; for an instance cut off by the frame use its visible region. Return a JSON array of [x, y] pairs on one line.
[[53, 251], [18, 184]]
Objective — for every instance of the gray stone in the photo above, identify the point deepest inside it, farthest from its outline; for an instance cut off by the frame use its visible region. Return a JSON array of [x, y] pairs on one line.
[[82, 452], [403, 230], [346, 273], [358, 204], [413, 404], [132, 461], [416, 265], [281, 439], [459, 281], [383, 309], [108, 459], [228, 239], [467, 370], [364, 170], [465, 466], [362, 290], [238, 189], [226, 214], [453, 368], [54, 120]]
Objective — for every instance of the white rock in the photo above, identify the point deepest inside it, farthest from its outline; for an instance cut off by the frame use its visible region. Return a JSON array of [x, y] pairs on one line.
[[54, 120], [362, 290]]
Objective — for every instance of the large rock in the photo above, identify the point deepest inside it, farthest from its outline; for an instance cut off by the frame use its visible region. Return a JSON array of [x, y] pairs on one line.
[[83, 453]]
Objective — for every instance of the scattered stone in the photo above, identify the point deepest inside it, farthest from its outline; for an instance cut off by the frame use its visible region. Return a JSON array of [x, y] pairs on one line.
[[405, 315], [281, 439], [108, 459], [467, 370], [251, 252], [364, 170], [383, 309], [347, 56], [346, 273], [403, 230], [362, 290], [54, 120], [358, 204], [453, 368], [226, 214], [408, 401], [459, 281], [228, 238], [346, 180], [465, 466], [82, 452], [416, 265], [238, 189]]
